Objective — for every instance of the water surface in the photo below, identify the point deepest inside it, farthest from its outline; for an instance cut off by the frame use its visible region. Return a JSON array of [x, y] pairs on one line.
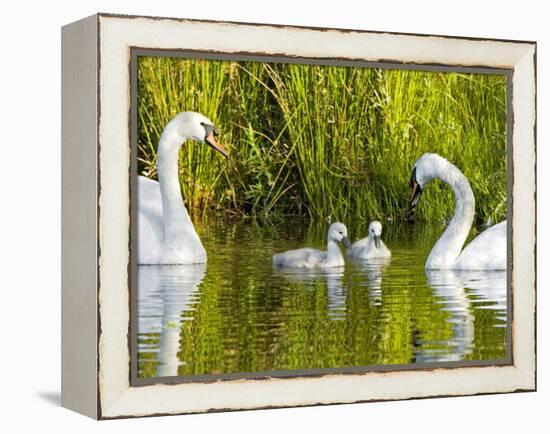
[[239, 314]]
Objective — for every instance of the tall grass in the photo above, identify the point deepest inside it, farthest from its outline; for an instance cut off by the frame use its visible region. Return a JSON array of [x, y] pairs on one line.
[[331, 142]]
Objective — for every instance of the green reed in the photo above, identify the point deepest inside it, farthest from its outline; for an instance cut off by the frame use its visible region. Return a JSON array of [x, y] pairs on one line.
[[328, 142]]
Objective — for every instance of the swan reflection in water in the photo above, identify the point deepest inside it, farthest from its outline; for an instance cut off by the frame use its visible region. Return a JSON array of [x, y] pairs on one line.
[[366, 273], [170, 295], [460, 293], [333, 279], [372, 271], [167, 296]]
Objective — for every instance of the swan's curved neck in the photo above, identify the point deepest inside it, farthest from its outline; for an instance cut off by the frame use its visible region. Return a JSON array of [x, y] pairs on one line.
[[334, 254], [174, 211], [448, 247]]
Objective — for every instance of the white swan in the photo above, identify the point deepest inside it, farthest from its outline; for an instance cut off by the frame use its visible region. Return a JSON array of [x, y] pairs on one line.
[[487, 251], [166, 234], [313, 258], [371, 246]]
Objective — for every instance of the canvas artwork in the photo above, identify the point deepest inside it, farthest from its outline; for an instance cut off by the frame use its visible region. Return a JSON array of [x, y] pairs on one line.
[[262, 216], [296, 217]]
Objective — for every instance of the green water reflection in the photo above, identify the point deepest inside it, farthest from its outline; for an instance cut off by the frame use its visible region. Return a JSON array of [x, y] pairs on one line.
[[239, 314]]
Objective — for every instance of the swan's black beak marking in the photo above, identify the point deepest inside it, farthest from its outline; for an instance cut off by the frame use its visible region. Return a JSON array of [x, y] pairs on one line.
[[345, 242], [212, 141], [416, 192], [377, 241]]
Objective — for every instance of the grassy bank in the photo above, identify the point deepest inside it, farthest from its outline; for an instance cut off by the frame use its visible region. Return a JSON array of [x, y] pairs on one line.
[[325, 141]]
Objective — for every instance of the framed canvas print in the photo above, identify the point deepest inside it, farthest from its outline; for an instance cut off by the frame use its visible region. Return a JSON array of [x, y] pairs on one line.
[[260, 216]]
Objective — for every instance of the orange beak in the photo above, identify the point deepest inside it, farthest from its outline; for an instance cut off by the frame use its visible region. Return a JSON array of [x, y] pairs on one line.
[[211, 140]]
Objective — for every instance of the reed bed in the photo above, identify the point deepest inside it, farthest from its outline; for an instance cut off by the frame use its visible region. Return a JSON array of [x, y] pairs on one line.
[[333, 143]]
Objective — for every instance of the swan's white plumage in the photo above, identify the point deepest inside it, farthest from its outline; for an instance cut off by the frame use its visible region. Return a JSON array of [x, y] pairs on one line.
[[488, 250], [366, 248], [152, 248], [305, 257], [150, 225], [166, 234], [312, 258]]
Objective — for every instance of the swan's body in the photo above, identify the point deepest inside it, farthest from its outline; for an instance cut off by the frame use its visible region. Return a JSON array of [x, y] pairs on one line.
[[184, 248], [487, 251], [313, 258], [166, 234], [371, 246]]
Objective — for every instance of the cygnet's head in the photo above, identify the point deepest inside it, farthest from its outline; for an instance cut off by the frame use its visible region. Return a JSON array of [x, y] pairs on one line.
[[426, 168], [339, 233], [195, 126], [375, 232]]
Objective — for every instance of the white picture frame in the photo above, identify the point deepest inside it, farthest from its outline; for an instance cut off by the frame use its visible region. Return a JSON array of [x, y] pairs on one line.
[[96, 266]]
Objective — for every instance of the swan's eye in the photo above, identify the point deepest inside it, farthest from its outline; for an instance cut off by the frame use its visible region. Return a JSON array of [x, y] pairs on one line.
[[210, 129]]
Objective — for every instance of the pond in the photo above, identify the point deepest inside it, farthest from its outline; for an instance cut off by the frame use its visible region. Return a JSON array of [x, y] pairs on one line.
[[238, 314]]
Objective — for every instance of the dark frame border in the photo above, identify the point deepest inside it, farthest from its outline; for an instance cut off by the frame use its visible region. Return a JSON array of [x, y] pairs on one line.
[[136, 52]]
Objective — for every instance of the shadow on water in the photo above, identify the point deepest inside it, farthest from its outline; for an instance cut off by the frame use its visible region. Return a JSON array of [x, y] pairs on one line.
[[239, 314]]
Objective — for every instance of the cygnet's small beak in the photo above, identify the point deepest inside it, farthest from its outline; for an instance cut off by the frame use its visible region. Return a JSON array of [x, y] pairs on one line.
[[211, 140], [377, 241], [346, 242]]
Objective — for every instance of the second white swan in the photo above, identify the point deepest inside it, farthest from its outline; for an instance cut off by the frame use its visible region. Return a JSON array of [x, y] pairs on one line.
[[485, 252]]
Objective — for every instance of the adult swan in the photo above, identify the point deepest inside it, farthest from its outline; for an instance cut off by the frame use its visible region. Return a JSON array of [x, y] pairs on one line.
[[485, 252], [166, 234]]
